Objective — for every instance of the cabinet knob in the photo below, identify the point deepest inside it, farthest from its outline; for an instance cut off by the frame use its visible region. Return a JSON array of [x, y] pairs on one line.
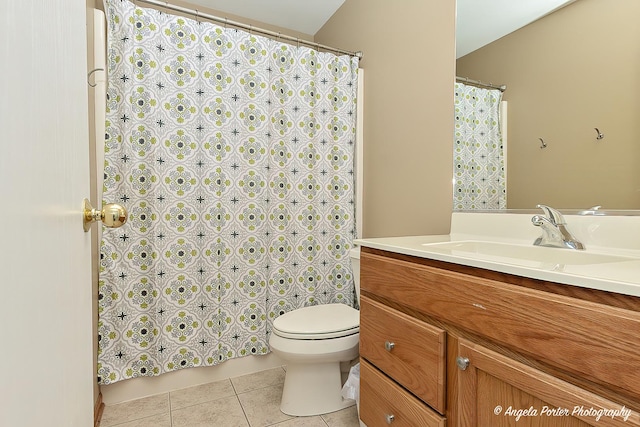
[[390, 418], [389, 345], [462, 362]]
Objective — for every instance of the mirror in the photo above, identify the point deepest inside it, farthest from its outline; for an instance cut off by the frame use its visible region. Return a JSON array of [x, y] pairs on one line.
[[568, 73]]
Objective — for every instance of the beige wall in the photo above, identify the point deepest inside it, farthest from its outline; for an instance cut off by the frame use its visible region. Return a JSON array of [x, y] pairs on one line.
[[409, 61], [568, 73]]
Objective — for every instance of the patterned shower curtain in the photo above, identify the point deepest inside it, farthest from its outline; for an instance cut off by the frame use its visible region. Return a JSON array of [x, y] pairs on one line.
[[478, 159], [234, 155]]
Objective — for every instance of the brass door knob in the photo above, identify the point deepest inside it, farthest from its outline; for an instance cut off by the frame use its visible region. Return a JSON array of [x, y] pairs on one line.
[[112, 215]]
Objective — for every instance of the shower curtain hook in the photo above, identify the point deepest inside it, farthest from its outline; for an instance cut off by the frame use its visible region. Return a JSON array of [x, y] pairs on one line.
[[197, 16], [543, 144], [89, 76]]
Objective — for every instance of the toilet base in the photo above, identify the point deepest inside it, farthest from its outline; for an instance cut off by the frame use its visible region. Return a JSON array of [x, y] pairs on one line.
[[313, 389]]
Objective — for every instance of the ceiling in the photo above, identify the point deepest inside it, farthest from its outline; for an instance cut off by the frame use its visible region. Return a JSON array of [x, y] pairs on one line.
[[479, 22], [304, 16]]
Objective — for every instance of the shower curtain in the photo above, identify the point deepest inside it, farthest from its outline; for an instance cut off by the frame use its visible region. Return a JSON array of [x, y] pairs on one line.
[[478, 157], [234, 155]]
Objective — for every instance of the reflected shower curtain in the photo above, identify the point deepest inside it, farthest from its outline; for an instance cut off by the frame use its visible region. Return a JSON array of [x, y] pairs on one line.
[[234, 156], [478, 158]]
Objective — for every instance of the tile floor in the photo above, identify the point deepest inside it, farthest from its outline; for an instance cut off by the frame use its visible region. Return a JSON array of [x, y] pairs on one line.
[[248, 401]]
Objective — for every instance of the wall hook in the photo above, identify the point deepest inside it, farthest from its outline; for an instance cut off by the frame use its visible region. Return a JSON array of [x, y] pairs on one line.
[[600, 134], [542, 143]]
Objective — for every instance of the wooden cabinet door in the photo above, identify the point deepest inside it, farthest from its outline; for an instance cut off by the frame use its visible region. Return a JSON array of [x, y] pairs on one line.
[[496, 391]]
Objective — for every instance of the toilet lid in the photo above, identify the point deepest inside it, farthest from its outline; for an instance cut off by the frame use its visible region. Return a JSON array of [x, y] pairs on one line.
[[318, 322]]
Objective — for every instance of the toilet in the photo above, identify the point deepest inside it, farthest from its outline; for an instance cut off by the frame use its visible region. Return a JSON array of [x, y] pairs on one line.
[[313, 342]]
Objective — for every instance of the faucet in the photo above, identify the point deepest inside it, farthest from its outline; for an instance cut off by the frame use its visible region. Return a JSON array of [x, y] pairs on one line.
[[594, 210], [554, 230]]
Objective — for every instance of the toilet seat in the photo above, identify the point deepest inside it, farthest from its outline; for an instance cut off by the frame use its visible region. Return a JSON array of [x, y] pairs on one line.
[[318, 322]]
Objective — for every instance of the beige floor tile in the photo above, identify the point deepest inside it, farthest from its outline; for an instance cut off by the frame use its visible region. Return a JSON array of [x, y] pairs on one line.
[[262, 406], [215, 404], [257, 380], [347, 417], [200, 394], [224, 412], [162, 420], [302, 422], [135, 410]]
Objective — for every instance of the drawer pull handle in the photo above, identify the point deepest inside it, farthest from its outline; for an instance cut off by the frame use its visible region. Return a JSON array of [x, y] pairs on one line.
[[389, 346], [390, 418], [462, 362]]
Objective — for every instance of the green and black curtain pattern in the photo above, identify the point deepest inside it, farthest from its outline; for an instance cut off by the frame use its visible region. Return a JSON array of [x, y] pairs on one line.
[[234, 155], [478, 156]]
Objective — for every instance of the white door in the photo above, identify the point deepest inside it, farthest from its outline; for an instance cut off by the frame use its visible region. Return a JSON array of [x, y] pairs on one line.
[[45, 279]]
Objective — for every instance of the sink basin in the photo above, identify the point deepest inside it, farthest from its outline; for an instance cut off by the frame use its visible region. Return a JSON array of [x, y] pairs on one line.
[[528, 256]]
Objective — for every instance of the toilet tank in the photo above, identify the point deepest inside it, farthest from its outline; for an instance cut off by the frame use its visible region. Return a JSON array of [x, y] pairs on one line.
[[354, 254]]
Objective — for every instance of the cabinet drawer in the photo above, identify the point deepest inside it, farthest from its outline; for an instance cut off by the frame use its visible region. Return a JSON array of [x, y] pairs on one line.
[[381, 398], [592, 340], [408, 350]]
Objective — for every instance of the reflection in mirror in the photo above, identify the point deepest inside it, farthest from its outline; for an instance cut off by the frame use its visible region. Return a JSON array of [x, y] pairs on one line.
[[568, 73], [478, 154]]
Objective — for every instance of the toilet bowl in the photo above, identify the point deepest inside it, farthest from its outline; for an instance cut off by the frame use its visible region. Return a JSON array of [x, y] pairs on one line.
[[313, 342]]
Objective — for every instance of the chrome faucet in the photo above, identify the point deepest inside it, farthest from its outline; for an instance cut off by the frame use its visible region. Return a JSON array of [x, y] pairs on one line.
[[554, 230]]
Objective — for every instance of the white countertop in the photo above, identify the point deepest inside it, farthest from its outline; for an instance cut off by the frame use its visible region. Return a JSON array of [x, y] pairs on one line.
[[621, 275]]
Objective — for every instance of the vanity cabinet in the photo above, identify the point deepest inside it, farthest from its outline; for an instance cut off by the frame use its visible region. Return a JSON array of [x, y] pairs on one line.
[[473, 347], [495, 390]]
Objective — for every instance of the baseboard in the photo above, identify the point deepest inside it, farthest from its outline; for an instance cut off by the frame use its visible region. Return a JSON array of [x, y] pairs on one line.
[[97, 411]]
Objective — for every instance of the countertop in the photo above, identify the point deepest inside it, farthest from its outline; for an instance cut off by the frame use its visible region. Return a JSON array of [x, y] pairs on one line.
[[619, 275]]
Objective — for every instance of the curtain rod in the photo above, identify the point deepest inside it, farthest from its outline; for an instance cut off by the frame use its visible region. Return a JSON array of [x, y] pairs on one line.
[[198, 15], [501, 88]]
